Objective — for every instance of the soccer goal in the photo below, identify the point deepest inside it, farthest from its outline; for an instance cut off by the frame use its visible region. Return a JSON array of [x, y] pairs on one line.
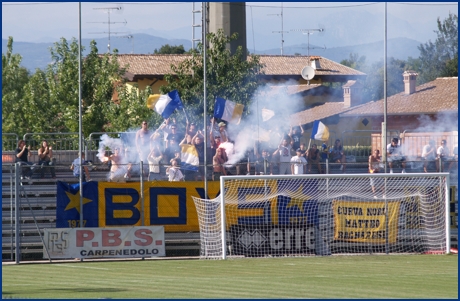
[[304, 215]]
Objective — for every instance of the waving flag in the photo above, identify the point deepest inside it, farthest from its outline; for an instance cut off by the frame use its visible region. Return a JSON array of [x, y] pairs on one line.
[[165, 104], [267, 114], [319, 131], [189, 157], [228, 110]]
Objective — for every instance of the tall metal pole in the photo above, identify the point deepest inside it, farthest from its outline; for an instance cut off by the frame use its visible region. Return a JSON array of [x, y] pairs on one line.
[[204, 27], [80, 126], [384, 125]]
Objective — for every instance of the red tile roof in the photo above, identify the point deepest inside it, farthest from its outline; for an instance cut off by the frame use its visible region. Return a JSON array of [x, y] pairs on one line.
[[159, 64], [440, 95], [319, 112]]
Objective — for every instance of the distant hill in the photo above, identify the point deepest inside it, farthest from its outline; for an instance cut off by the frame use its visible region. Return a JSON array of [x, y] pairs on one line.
[[399, 48], [37, 55]]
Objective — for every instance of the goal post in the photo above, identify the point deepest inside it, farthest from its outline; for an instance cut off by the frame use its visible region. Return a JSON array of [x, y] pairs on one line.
[[305, 215]]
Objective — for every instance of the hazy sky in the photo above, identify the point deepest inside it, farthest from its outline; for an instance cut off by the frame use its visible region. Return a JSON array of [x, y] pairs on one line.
[[48, 21]]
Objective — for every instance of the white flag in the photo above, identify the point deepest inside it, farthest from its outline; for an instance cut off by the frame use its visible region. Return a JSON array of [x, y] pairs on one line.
[[267, 114]]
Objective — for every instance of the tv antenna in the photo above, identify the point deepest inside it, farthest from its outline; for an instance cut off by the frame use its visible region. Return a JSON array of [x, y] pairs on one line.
[[282, 32], [129, 37], [308, 32], [109, 9]]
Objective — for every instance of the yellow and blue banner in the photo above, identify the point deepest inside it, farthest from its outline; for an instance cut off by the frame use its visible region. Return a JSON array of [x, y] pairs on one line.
[[189, 157]]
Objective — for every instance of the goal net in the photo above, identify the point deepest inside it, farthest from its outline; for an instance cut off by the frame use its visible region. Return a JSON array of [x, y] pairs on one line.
[[303, 215]]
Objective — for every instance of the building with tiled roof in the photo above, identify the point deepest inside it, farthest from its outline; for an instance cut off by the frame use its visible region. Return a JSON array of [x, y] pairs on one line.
[[149, 69], [415, 115], [440, 95]]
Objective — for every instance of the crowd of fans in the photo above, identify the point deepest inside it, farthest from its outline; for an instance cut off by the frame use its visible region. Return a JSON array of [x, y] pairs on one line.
[[283, 153]]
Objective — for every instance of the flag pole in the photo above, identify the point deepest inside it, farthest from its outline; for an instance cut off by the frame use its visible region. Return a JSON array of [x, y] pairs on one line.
[[185, 113]]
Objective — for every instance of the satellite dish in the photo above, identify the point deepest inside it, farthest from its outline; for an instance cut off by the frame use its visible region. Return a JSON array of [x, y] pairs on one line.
[[307, 73]]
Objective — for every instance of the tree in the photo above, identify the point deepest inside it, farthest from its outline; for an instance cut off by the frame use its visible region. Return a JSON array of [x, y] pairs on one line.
[[14, 78], [355, 61], [440, 58], [373, 87], [229, 76], [52, 96], [167, 49], [130, 110]]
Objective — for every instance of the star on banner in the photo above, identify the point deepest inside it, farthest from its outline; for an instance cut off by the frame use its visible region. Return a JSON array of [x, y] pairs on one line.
[[295, 201], [75, 201]]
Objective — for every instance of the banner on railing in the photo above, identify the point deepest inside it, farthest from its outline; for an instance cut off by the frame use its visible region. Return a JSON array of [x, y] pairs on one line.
[[146, 241], [365, 221], [108, 204], [170, 204]]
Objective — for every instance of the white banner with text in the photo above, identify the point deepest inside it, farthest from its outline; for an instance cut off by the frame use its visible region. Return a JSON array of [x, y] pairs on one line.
[[121, 242]]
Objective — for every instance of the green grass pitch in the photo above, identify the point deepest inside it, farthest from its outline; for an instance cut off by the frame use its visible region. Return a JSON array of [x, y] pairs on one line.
[[381, 276]]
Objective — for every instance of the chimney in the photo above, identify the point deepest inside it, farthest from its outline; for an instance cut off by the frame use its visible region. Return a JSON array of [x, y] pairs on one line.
[[352, 93], [409, 77], [314, 62]]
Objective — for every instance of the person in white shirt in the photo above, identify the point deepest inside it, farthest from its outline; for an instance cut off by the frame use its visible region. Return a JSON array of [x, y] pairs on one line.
[[284, 154], [173, 172], [298, 163], [443, 153], [394, 155], [428, 154], [154, 159]]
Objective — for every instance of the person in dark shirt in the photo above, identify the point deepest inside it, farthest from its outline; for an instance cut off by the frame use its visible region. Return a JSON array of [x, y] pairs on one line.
[[22, 156], [296, 134], [313, 158]]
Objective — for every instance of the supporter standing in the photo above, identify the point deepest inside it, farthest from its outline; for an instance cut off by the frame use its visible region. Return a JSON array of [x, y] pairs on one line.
[[173, 172], [190, 132], [143, 141], [45, 159], [154, 159], [75, 167], [262, 164], [298, 163], [374, 167], [117, 170], [443, 154], [314, 157], [295, 134], [394, 155], [218, 162], [428, 154], [22, 156], [337, 154], [198, 142], [283, 153], [166, 128]]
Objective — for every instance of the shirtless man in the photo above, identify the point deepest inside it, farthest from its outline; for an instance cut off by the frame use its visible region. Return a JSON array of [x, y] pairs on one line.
[[117, 170], [143, 141]]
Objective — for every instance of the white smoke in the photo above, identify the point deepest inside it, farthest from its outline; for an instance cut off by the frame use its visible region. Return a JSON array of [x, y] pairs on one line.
[[252, 128]]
